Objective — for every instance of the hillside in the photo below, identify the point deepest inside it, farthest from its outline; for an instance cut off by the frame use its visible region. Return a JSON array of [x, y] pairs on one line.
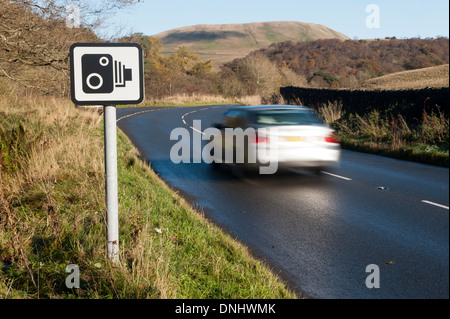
[[347, 64], [437, 76], [225, 42]]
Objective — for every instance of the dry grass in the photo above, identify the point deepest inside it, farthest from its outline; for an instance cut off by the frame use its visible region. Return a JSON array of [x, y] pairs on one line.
[[251, 100], [187, 99], [201, 99], [437, 76], [54, 152], [331, 112], [426, 141]]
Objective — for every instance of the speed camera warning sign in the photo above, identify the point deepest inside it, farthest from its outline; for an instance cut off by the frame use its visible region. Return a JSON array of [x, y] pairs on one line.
[[106, 74]]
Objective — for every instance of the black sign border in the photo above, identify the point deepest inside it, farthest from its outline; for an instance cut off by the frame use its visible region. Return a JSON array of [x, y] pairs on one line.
[[106, 102]]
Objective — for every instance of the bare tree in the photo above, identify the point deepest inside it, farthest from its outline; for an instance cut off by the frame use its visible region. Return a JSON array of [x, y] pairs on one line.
[[35, 39], [268, 76], [91, 13]]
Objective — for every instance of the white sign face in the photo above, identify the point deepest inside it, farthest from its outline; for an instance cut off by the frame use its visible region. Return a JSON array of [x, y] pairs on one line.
[[106, 74]]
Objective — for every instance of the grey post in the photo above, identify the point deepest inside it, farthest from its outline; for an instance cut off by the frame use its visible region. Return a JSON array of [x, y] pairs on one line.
[[112, 205]]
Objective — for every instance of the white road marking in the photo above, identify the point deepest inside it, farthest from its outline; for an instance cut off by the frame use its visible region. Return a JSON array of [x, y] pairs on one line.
[[184, 121], [338, 176], [193, 128], [204, 109], [137, 113], [435, 204]]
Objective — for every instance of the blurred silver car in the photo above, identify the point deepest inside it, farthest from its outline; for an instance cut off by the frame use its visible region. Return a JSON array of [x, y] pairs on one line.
[[289, 136]]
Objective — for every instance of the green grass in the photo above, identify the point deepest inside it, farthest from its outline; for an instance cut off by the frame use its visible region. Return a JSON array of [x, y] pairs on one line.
[[52, 214], [421, 153], [210, 44], [270, 35]]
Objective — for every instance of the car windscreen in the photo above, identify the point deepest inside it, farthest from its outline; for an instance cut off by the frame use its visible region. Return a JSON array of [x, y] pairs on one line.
[[284, 117]]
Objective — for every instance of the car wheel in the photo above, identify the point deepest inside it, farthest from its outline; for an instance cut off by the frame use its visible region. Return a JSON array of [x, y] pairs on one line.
[[238, 170]]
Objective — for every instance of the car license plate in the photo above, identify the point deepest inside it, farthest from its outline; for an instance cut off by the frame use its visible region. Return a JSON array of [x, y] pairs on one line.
[[294, 138]]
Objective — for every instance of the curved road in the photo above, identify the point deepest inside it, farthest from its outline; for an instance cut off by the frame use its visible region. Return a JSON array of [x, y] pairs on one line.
[[319, 233]]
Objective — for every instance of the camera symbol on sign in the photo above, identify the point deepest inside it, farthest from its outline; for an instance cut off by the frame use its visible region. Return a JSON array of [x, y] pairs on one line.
[[101, 73]]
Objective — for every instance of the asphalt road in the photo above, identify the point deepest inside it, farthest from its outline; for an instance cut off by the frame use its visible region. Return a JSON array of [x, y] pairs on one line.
[[318, 233]]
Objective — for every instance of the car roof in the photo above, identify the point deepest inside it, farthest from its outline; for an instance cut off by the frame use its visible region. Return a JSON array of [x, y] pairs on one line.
[[272, 107]]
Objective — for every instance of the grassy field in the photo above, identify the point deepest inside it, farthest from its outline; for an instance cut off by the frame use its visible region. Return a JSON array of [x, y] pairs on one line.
[[52, 214], [436, 76]]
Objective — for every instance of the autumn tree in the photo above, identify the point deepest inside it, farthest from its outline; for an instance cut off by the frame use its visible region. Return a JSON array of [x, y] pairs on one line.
[[354, 61], [179, 73]]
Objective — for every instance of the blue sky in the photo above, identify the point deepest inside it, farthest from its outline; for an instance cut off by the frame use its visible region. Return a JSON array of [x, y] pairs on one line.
[[399, 18]]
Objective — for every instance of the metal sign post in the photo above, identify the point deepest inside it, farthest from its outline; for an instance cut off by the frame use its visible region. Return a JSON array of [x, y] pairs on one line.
[[112, 203], [108, 74]]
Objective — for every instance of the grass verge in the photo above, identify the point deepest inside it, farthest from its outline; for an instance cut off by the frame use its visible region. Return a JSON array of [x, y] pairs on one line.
[[197, 100], [425, 140], [52, 215], [423, 153]]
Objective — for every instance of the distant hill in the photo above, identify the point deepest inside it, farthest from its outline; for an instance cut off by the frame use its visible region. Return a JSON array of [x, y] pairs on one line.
[[225, 42], [436, 76]]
